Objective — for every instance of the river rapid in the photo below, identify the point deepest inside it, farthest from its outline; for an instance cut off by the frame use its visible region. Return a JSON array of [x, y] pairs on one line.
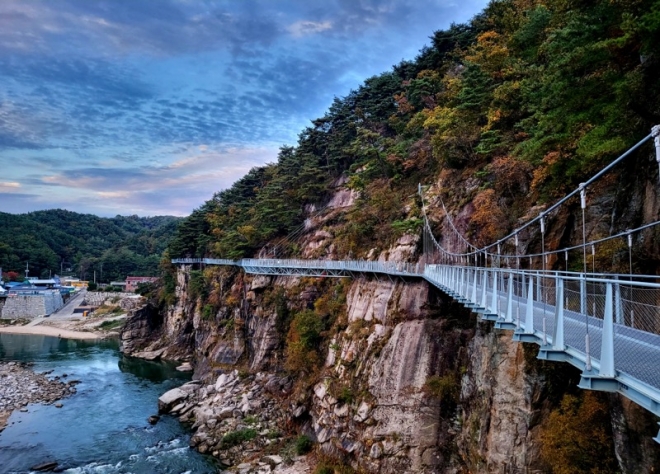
[[102, 428]]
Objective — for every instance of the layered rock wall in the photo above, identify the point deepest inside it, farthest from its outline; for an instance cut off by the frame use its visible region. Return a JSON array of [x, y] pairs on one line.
[[403, 379]]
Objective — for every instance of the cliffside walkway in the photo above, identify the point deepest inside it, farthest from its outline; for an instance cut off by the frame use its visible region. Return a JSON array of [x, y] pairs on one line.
[[607, 325]]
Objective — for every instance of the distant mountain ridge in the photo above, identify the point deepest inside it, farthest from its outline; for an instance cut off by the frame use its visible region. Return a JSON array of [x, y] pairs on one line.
[[56, 239]]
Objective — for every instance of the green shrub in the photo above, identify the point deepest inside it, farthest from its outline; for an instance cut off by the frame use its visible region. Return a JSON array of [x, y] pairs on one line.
[[237, 437], [345, 395], [207, 312], [197, 285], [303, 445]]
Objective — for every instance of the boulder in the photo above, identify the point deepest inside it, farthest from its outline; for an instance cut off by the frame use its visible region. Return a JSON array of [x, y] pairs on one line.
[[272, 460], [170, 398], [149, 355]]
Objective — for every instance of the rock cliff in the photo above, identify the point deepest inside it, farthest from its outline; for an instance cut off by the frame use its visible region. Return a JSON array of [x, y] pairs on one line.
[[398, 377]]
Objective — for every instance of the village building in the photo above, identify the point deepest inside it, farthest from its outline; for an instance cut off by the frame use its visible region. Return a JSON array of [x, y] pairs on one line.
[[132, 282]]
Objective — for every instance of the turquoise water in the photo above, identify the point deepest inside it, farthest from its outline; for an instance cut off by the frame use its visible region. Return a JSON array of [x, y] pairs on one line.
[[102, 428]]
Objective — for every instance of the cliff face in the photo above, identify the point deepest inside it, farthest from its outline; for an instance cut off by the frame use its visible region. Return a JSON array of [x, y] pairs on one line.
[[399, 379], [412, 383]]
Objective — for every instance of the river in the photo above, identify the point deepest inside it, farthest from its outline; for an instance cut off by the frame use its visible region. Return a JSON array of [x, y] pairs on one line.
[[103, 427]]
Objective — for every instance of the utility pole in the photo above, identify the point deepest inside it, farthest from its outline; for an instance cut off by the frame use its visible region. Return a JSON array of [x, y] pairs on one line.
[[27, 269]]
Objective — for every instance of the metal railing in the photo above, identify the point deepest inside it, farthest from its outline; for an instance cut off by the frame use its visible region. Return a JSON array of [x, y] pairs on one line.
[[268, 266], [607, 327]]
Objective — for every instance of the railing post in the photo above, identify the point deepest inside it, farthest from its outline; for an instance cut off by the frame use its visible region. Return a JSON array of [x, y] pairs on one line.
[[607, 344], [465, 287], [473, 298], [618, 306], [495, 299], [558, 333], [529, 310], [484, 290], [509, 304], [583, 294]]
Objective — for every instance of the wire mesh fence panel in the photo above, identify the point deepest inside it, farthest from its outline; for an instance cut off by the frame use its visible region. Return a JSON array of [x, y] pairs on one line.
[[639, 308], [595, 299]]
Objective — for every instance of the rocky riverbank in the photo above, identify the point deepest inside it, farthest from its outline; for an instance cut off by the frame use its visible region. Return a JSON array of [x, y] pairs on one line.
[[20, 385], [240, 420]]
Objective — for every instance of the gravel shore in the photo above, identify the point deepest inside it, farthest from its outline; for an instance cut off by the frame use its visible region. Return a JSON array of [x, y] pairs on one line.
[[20, 385]]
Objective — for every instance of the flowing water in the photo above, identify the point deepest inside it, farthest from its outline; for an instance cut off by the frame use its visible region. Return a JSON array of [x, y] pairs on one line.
[[103, 427]]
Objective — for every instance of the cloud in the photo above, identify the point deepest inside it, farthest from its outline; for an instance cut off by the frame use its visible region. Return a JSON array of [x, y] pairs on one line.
[[161, 28], [305, 27], [9, 186], [112, 106]]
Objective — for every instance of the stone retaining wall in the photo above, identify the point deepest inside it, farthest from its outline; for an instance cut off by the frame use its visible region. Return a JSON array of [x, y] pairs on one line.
[[31, 306], [126, 301]]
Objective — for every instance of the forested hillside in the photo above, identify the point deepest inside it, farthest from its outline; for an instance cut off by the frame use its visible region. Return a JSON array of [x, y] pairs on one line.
[[54, 240], [528, 98]]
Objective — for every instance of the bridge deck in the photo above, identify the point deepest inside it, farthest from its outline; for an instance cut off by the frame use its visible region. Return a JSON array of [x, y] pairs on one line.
[[633, 353]]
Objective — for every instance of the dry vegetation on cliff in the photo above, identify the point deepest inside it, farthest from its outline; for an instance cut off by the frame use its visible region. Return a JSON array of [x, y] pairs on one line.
[[499, 116]]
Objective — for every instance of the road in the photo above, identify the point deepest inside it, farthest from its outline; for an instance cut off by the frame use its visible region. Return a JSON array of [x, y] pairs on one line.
[[65, 312]]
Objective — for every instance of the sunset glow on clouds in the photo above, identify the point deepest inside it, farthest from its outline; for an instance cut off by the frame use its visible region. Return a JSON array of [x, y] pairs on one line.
[[141, 107]]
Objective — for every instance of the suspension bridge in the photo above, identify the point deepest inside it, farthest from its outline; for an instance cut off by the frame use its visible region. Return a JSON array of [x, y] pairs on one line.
[[605, 324]]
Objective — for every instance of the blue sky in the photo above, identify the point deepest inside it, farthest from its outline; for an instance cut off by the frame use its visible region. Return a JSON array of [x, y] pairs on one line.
[[148, 107]]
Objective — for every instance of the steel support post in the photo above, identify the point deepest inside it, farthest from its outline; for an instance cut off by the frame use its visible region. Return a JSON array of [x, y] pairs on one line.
[[557, 352], [558, 333], [484, 290], [494, 303], [655, 131], [508, 323], [618, 305], [605, 380], [583, 294], [527, 335], [607, 344]]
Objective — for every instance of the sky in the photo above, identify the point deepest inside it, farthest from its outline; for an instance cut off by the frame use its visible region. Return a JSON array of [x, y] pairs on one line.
[[149, 107]]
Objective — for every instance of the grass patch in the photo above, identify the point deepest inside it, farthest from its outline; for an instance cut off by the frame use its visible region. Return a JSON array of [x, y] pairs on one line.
[[237, 437], [113, 324]]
